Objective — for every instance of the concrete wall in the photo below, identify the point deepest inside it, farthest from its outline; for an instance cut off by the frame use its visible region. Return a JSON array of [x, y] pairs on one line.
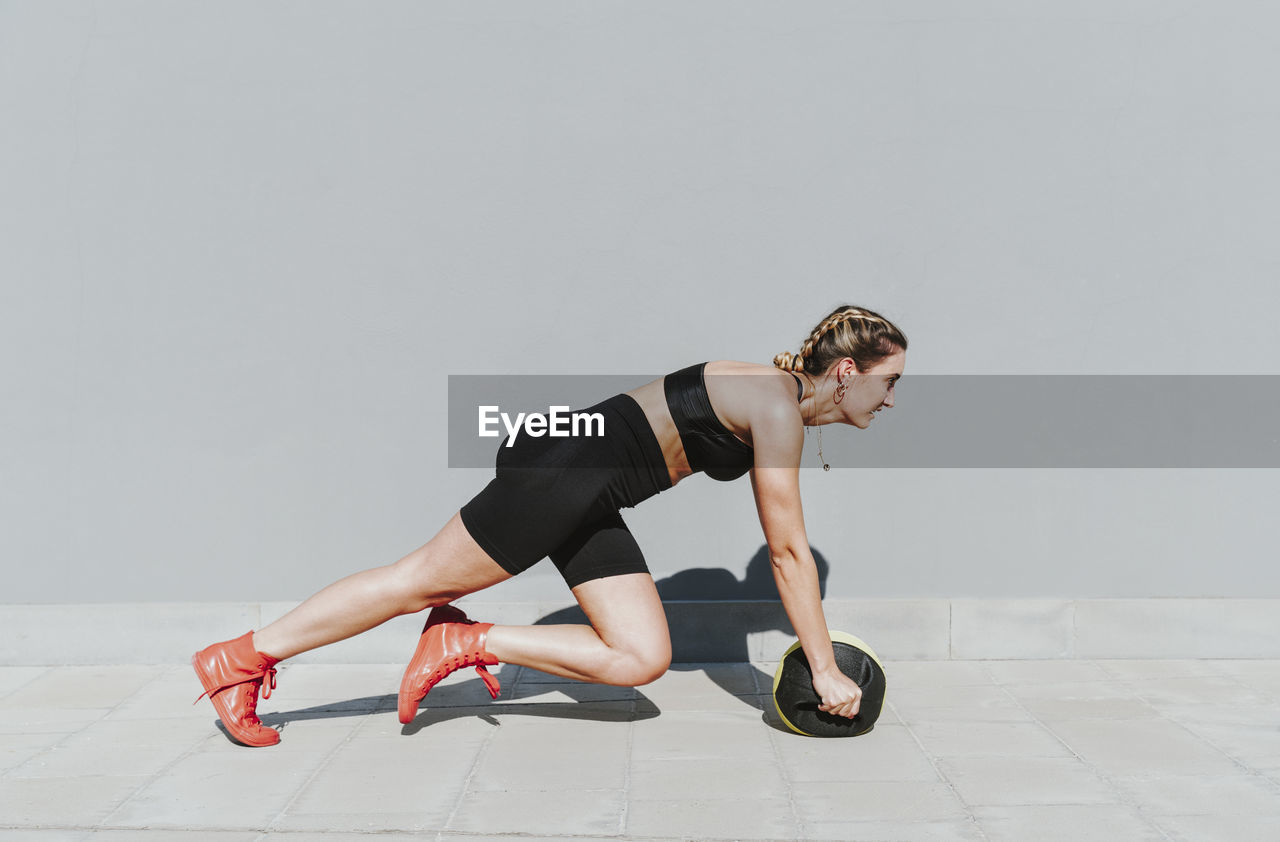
[[243, 245]]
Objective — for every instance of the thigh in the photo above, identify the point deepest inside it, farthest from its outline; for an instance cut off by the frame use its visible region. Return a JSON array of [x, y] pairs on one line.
[[599, 548], [627, 614], [452, 565], [524, 514], [559, 497]]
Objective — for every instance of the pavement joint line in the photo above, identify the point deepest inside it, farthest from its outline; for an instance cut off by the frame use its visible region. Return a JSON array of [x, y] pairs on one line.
[[447, 835], [1199, 737], [762, 675], [43, 671], [77, 828], [161, 772], [951, 625], [625, 813], [1106, 779], [461, 835], [441, 836], [1237, 761], [320, 767], [471, 773], [1093, 662], [933, 764], [1075, 632], [796, 822], [54, 746], [1273, 699]]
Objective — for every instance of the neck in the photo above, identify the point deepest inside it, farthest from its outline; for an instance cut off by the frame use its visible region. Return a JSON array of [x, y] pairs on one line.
[[819, 394]]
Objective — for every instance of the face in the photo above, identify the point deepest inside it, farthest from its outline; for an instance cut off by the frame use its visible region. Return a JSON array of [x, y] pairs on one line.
[[872, 390]]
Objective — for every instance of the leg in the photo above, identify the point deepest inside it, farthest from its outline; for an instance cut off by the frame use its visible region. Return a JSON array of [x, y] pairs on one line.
[[448, 566], [627, 643]]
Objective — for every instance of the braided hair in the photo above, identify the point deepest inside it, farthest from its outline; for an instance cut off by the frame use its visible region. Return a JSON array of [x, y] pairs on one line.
[[864, 336]]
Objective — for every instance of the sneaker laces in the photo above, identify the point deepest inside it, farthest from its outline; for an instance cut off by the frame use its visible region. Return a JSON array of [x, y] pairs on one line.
[[267, 686], [270, 683], [454, 663]]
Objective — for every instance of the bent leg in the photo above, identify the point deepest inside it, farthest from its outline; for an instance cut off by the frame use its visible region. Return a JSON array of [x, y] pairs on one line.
[[627, 643], [447, 567]]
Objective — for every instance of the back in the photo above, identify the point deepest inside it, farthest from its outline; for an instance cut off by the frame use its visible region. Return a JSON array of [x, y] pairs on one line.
[[708, 445]]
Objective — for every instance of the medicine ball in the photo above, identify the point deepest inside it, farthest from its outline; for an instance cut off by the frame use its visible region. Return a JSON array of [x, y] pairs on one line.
[[797, 702]]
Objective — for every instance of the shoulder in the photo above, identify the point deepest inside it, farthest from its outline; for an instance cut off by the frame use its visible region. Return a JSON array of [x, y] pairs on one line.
[[752, 386], [758, 398], [751, 375]]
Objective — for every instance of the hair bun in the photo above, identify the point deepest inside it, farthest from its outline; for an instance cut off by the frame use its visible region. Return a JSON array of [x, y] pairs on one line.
[[788, 361]]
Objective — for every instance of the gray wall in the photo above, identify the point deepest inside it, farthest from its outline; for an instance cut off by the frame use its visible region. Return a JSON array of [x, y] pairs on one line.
[[242, 245]]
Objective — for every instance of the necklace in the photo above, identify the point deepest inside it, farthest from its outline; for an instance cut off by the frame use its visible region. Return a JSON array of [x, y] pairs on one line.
[[814, 417]]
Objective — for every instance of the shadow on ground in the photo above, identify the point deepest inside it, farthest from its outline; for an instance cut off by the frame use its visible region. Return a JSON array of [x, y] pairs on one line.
[[704, 584], [708, 584]]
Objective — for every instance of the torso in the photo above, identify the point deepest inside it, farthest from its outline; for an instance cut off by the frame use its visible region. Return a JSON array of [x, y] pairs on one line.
[[730, 401]]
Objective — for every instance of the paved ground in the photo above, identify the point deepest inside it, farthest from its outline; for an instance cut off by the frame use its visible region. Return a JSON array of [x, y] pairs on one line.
[[996, 750]]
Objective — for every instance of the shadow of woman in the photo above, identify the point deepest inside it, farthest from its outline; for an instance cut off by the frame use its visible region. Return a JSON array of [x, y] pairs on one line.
[[467, 699], [700, 643]]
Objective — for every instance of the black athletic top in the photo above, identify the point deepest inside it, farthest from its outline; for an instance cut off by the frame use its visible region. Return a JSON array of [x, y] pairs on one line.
[[708, 446]]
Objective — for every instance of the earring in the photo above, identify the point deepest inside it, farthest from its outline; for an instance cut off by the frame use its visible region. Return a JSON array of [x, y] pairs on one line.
[[841, 388]]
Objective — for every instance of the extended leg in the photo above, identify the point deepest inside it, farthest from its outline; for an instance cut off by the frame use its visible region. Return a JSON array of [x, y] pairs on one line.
[[448, 566], [233, 672]]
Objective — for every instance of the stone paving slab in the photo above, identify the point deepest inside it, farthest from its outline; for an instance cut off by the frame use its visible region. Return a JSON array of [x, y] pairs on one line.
[[965, 750]]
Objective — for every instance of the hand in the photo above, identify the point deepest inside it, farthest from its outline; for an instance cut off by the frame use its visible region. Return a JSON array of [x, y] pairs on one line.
[[840, 695]]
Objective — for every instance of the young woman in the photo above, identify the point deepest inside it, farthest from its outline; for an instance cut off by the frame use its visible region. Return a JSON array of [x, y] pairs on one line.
[[560, 497]]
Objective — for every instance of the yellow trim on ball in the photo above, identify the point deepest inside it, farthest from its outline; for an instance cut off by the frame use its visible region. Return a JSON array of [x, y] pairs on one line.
[[845, 637], [777, 679], [836, 637]]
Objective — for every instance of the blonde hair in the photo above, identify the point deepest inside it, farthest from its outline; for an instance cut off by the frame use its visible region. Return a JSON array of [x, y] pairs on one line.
[[864, 336]]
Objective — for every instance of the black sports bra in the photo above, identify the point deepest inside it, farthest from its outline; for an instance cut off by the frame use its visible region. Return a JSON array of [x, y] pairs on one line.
[[708, 446]]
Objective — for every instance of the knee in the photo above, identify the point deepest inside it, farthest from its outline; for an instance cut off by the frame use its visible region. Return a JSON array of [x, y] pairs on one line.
[[651, 670], [416, 586], [644, 667]]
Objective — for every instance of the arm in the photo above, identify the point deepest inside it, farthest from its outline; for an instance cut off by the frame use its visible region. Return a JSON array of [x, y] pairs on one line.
[[778, 434]]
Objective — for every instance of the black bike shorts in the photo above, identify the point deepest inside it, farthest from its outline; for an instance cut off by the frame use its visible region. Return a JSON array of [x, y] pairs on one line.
[[561, 496]]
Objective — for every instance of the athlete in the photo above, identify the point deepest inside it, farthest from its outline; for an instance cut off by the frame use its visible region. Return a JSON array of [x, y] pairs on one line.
[[560, 497]]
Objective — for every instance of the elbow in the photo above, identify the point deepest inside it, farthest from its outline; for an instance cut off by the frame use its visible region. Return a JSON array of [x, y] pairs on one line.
[[782, 559], [791, 563]]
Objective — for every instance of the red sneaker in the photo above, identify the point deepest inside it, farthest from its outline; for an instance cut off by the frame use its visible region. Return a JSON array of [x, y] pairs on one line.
[[232, 673], [449, 642]]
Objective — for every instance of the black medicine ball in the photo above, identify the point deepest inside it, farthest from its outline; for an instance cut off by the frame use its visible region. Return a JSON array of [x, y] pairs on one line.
[[797, 702]]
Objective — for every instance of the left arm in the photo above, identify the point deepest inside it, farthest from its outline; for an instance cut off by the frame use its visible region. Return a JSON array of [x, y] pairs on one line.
[[778, 436]]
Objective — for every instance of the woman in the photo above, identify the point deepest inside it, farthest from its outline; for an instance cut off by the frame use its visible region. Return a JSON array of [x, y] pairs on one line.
[[561, 498]]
